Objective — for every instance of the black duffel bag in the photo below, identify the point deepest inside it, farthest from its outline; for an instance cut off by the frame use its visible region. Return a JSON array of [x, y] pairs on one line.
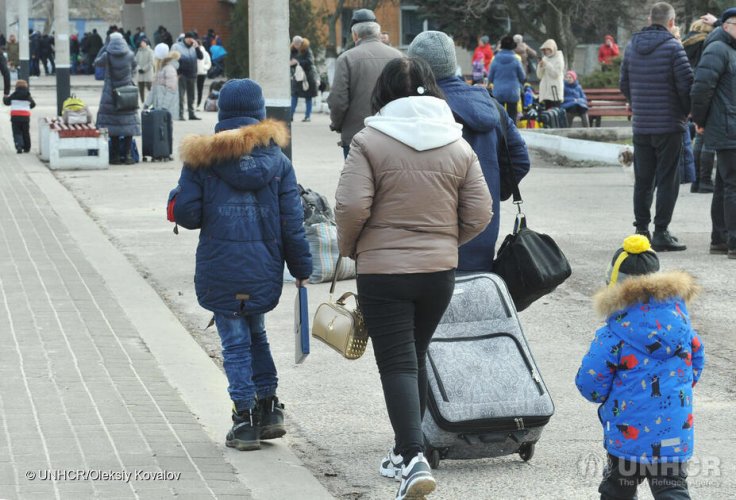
[[531, 264]]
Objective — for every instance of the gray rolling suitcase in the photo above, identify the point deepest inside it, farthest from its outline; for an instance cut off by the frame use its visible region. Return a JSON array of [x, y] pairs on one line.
[[486, 396]]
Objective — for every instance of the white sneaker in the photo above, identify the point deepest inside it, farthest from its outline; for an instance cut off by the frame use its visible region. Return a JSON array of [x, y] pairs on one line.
[[416, 480], [391, 465]]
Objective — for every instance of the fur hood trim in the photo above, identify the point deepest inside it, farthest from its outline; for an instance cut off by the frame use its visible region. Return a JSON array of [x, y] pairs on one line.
[[640, 289], [201, 151]]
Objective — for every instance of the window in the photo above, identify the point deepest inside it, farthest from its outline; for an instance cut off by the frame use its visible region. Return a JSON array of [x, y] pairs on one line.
[[412, 23]]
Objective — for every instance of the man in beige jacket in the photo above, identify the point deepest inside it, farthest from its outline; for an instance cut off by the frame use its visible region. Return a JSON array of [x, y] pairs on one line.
[[356, 73]]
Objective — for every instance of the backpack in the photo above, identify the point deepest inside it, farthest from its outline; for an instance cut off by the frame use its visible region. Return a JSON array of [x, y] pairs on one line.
[[75, 112], [478, 69], [210, 104], [316, 207]]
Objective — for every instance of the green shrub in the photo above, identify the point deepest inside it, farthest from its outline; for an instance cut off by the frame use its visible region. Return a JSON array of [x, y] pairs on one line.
[[603, 79]]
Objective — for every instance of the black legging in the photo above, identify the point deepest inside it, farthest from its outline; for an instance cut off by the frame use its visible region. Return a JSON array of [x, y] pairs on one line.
[[200, 88], [401, 312]]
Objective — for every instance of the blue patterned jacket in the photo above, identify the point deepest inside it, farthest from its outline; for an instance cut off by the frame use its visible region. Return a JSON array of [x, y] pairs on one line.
[[642, 367]]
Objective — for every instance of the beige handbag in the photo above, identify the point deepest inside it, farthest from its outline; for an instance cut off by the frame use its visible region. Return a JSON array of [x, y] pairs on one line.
[[340, 327]]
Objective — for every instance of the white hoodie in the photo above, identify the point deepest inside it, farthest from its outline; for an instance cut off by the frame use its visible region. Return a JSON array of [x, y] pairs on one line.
[[420, 122]]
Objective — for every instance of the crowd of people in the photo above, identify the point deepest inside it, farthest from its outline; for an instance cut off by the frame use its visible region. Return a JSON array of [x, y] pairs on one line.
[[423, 153], [413, 110]]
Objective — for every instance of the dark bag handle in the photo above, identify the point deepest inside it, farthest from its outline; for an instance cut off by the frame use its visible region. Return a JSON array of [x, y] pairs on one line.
[[507, 168], [334, 276]]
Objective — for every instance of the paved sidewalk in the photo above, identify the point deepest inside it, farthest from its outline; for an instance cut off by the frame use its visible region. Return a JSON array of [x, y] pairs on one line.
[[80, 393]]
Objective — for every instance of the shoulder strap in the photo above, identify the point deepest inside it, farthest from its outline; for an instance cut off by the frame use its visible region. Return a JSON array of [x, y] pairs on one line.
[[507, 169]]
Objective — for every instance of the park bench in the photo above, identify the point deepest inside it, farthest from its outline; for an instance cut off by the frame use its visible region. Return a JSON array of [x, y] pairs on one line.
[[606, 102], [72, 147]]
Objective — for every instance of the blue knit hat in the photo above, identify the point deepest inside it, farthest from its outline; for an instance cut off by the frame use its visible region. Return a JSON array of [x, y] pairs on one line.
[[241, 98]]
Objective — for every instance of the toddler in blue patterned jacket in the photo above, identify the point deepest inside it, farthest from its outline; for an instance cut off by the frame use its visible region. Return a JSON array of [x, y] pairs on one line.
[[641, 368]]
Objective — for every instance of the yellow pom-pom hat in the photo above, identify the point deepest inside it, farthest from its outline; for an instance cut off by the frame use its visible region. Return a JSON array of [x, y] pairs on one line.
[[634, 258]]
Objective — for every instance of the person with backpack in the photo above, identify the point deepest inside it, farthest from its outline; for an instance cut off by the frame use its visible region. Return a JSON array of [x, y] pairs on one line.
[[20, 103], [240, 190]]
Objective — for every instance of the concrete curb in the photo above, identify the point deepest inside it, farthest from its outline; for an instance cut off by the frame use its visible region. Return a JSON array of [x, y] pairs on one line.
[[274, 472], [574, 149]]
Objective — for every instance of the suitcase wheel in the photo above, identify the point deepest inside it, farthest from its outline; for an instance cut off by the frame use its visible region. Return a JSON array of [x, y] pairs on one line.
[[433, 457], [526, 452]]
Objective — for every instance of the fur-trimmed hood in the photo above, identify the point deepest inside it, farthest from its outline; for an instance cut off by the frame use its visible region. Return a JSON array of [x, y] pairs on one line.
[[234, 156], [658, 286], [203, 151], [650, 312]]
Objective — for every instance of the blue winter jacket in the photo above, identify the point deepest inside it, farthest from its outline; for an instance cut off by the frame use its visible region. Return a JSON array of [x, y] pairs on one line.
[[473, 107], [642, 366], [507, 76], [574, 96], [656, 78], [240, 190]]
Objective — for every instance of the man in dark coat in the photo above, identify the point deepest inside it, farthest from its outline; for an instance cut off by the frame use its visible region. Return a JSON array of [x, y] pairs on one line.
[[714, 109], [46, 54], [656, 79], [34, 45], [240, 191], [94, 45], [474, 108], [190, 51]]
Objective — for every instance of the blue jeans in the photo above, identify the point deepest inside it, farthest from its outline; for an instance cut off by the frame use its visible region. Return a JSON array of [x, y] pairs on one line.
[[247, 359], [294, 100]]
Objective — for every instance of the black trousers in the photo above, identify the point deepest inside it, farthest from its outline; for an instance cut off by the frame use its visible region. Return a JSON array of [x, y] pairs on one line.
[[656, 162], [200, 88], [142, 87], [510, 108], [668, 481], [723, 206], [401, 312], [21, 135], [186, 85]]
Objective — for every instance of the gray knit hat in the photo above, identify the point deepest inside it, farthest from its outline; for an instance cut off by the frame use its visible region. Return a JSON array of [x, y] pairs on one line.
[[438, 50]]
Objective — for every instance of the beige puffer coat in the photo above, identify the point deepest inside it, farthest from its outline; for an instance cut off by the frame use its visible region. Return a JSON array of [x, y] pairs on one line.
[[411, 191], [551, 73]]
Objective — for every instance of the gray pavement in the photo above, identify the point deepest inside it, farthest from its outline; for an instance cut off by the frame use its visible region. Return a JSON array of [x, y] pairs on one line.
[[336, 417]]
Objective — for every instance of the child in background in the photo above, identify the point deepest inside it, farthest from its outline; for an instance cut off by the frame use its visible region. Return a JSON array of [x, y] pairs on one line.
[[479, 70], [21, 103], [641, 368]]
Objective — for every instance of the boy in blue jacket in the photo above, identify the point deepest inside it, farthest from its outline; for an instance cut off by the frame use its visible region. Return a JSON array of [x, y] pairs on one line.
[[641, 368], [239, 189]]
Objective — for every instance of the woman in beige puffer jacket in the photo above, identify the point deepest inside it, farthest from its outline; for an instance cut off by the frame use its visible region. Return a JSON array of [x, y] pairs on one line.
[[551, 73], [410, 193]]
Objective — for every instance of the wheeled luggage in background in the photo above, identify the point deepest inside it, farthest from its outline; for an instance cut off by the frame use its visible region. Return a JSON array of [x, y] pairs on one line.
[[486, 397], [156, 127], [553, 118]]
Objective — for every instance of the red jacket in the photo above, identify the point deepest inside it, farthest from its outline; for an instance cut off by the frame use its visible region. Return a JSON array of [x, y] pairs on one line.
[[606, 53], [487, 53]]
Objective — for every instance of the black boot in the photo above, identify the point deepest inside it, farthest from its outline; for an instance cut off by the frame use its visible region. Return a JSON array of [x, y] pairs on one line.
[[663, 241], [272, 418], [192, 116], [707, 160], [246, 432]]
